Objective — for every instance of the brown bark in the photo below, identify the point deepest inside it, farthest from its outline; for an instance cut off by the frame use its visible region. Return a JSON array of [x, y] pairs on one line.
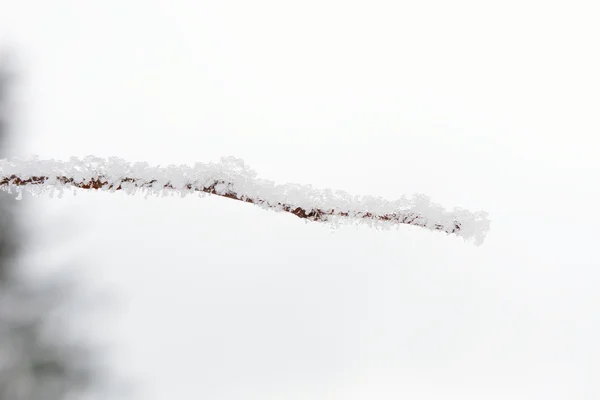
[[314, 214]]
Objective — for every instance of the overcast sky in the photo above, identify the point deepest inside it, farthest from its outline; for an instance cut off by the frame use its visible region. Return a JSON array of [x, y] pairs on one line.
[[482, 105]]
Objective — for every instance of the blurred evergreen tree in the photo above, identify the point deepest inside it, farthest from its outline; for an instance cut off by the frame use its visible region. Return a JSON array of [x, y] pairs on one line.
[[37, 361]]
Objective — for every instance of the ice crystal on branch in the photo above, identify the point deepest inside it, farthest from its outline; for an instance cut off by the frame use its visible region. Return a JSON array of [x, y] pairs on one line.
[[231, 178]]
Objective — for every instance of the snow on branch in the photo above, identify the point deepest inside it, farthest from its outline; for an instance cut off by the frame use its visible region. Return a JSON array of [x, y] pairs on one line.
[[231, 178]]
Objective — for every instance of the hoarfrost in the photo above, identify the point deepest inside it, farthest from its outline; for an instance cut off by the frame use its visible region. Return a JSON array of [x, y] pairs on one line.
[[232, 178]]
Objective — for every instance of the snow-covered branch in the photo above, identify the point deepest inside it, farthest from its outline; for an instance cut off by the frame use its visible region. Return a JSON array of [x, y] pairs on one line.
[[231, 178]]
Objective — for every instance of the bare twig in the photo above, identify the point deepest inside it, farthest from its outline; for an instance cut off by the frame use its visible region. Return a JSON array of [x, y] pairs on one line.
[[314, 214], [239, 183]]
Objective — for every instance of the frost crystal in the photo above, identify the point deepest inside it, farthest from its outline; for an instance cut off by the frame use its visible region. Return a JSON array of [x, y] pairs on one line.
[[233, 179]]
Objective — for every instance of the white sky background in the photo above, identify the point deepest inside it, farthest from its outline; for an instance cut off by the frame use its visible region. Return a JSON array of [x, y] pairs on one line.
[[481, 106]]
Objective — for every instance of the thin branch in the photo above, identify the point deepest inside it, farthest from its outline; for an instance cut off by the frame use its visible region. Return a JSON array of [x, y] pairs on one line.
[[233, 180]]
